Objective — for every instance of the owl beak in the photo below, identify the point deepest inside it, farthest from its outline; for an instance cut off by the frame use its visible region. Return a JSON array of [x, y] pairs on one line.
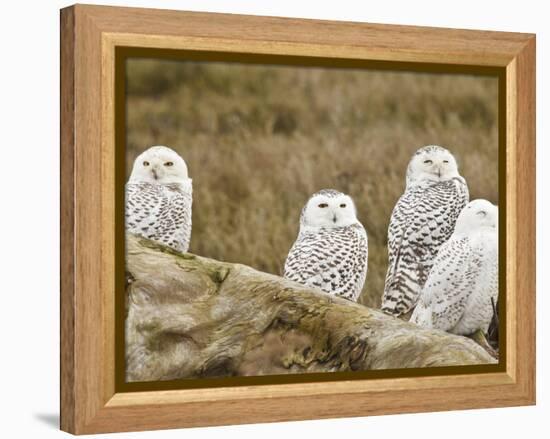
[[155, 175], [334, 218]]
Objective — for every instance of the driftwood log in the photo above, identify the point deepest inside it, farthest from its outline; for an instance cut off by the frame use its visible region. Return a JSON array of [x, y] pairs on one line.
[[191, 317]]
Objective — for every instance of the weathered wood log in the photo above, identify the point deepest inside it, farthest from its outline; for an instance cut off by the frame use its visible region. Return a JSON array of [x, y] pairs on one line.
[[191, 317]]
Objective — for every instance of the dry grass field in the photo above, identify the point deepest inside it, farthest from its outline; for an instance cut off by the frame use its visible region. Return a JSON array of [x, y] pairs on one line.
[[258, 140]]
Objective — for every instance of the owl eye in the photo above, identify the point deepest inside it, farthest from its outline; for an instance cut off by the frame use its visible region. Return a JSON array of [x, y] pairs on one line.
[[481, 213], [169, 164], [343, 205], [323, 205], [428, 162], [445, 161], [145, 163]]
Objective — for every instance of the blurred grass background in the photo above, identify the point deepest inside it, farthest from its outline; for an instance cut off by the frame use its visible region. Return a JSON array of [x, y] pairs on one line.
[[259, 140]]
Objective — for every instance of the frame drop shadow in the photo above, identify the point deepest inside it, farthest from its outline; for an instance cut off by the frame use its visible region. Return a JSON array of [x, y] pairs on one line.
[[50, 419]]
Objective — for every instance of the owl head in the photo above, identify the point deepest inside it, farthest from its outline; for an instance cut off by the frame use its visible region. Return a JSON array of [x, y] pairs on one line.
[[328, 208], [159, 165], [433, 163], [476, 215]]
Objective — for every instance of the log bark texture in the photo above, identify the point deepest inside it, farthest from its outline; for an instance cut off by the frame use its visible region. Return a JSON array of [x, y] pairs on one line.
[[192, 317]]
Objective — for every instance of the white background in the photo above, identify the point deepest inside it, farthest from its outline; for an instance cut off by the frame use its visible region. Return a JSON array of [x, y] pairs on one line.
[[29, 219]]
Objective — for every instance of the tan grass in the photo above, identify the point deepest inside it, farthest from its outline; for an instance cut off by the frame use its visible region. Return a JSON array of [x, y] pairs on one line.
[[259, 140]]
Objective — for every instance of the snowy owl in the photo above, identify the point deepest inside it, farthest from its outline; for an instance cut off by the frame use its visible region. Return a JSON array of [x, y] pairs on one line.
[[421, 221], [331, 249], [464, 277], [159, 195]]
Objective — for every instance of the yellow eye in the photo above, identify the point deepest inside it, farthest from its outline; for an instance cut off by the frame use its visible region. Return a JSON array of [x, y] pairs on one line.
[[323, 205], [445, 161], [169, 164], [428, 162], [342, 205], [146, 163]]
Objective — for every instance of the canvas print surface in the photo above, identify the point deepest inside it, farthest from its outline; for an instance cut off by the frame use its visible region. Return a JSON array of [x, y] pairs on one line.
[[296, 219]]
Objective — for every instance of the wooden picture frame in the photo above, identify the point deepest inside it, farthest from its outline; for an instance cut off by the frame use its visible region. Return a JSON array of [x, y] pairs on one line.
[[90, 36]]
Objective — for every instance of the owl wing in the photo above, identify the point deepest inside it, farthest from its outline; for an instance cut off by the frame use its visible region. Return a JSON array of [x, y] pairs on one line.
[[422, 314], [401, 283], [352, 286], [334, 261], [309, 253], [175, 217], [422, 220], [450, 283], [143, 203], [160, 212]]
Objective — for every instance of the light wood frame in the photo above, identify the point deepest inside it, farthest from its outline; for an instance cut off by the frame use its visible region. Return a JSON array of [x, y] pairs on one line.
[[89, 36]]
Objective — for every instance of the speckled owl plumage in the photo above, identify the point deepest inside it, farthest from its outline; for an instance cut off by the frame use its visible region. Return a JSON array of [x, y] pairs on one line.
[[421, 222], [333, 259]]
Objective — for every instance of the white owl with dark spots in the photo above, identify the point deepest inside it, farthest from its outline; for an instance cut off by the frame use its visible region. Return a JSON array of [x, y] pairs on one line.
[[463, 283], [159, 196], [421, 222], [331, 250]]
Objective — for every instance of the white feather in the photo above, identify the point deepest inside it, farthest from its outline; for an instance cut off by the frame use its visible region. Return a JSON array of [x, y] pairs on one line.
[[464, 277]]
